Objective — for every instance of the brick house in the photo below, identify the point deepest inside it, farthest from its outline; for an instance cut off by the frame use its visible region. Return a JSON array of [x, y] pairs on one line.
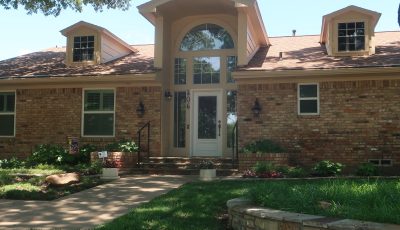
[[330, 96]]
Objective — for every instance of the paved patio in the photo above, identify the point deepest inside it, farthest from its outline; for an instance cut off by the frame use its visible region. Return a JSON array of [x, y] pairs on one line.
[[88, 208]]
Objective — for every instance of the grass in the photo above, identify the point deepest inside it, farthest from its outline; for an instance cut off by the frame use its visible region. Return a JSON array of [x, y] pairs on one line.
[[202, 205], [370, 200], [32, 171], [33, 187]]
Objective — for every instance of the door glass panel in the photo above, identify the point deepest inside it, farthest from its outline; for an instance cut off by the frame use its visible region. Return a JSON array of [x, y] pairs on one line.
[[207, 117], [179, 119], [231, 116]]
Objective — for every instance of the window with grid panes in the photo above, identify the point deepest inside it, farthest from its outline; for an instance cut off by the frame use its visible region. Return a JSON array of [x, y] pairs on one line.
[[7, 114], [99, 113], [351, 36], [83, 48]]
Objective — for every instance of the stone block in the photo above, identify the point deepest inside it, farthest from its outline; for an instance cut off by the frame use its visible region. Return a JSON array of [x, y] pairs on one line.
[[63, 179]]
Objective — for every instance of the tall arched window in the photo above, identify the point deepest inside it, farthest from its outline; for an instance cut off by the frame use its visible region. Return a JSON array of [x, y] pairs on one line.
[[207, 37]]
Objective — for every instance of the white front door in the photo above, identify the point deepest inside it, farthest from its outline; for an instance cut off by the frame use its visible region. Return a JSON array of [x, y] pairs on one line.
[[207, 123]]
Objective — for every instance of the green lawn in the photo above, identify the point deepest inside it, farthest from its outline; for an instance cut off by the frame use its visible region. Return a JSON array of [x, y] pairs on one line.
[[29, 184], [202, 205]]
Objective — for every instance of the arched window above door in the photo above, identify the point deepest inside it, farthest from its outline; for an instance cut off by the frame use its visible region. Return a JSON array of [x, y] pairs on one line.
[[207, 37]]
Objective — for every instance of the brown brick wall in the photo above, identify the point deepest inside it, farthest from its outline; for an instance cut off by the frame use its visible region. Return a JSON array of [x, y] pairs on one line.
[[49, 116], [248, 160], [358, 120], [121, 159]]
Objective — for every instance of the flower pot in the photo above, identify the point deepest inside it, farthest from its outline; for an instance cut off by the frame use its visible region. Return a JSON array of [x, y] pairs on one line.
[[208, 174], [110, 174]]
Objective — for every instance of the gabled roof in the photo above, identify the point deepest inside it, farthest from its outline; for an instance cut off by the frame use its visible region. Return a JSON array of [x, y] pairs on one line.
[[97, 28], [149, 11], [327, 18], [50, 63]]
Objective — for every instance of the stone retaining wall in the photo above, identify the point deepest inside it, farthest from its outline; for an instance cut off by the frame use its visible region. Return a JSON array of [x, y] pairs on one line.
[[245, 216], [248, 160], [121, 159]]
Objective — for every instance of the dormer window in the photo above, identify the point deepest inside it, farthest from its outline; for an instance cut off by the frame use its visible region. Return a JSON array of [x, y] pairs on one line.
[[83, 48], [351, 36]]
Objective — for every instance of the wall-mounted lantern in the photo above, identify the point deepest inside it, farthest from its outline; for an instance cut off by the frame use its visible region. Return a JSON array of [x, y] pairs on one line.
[[140, 109], [256, 109], [168, 95]]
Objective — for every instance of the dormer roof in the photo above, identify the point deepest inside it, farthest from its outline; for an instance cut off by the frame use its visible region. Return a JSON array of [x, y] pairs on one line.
[[97, 28], [327, 18]]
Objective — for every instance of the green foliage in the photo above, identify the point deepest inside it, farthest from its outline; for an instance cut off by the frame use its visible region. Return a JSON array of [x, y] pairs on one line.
[[327, 168], [122, 146], [56, 155], [33, 171], [263, 146], [206, 165], [297, 172], [51, 155], [367, 169], [11, 163], [54, 7], [84, 153], [263, 167], [5, 178], [349, 199], [32, 187], [266, 170], [200, 205]]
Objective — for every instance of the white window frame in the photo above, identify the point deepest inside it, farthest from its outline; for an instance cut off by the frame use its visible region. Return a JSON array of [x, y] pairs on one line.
[[97, 112], [11, 113], [73, 48], [299, 99], [365, 36]]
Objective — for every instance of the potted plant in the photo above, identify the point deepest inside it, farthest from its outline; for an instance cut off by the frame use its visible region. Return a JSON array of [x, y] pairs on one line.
[[109, 171], [208, 171]]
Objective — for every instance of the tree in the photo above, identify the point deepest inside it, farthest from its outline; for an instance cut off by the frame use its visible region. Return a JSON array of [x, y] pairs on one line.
[[54, 7], [398, 17]]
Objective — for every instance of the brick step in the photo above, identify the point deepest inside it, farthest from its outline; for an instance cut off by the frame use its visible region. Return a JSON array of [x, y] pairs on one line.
[[193, 160], [161, 171], [185, 165]]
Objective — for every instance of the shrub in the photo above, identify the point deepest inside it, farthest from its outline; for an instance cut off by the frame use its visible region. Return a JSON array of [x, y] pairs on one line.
[[51, 155], [297, 172], [84, 153], [249, 173], [367, 169], [11, 163], [206, 165], [327, 168], [122, 146], [266, 170], [263, 146]]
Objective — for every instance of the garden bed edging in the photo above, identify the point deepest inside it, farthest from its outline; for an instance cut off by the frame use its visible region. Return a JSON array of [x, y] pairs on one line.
[[243, 215]]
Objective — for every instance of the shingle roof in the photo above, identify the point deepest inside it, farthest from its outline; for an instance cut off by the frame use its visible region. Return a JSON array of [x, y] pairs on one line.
[[300, 52], [50, 62], [305, 52]]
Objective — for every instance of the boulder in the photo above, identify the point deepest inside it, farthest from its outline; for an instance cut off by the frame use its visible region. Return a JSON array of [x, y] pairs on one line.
[[63, 179]]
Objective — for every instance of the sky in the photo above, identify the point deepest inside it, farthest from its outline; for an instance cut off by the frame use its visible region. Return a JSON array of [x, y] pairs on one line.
[[22, 33]]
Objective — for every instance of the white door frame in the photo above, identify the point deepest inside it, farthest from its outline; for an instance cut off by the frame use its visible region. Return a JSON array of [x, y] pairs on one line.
[[219, 139]]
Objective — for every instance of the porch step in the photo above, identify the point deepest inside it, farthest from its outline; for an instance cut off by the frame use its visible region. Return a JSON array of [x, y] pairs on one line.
[[193, 160], [160, 171], [183, 166]]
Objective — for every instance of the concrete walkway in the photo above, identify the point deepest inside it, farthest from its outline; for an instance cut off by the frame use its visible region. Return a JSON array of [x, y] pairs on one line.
[[88, 208]]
